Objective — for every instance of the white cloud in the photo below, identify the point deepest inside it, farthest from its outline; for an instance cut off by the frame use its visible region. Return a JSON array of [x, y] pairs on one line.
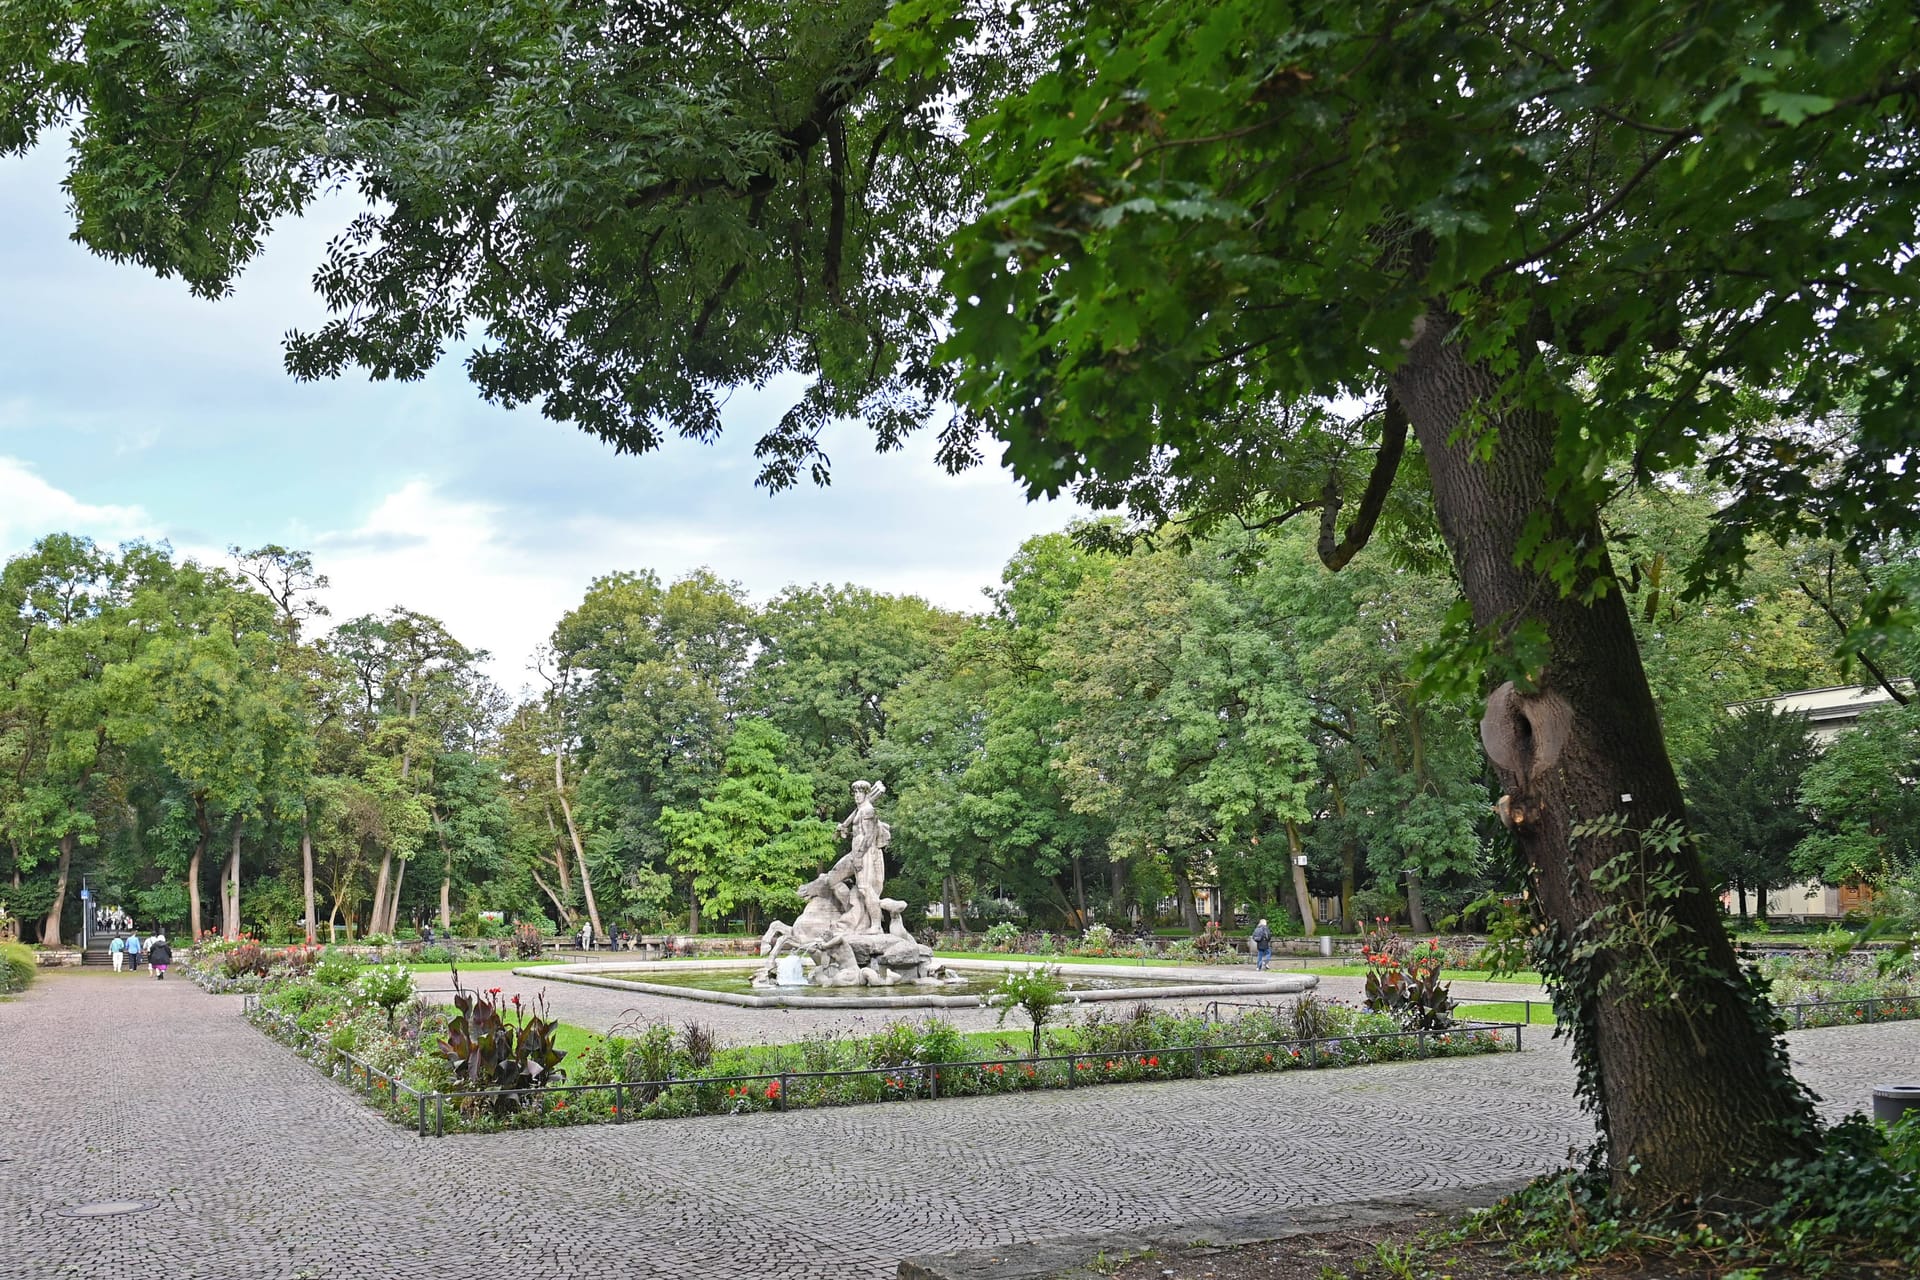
[[30, 508]]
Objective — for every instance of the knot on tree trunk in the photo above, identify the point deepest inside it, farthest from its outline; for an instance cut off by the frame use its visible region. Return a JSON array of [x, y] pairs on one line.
[[1524, 733]]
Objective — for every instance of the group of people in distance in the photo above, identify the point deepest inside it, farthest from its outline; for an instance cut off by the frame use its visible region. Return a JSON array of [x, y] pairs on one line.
[[111, 918], [127, 951]]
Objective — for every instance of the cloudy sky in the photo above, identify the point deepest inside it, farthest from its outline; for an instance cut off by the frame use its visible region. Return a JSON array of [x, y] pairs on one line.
[[130, 409]]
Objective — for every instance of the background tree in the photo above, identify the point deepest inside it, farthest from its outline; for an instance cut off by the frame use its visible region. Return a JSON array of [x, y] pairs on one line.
[[755, 838], [1745, 800]]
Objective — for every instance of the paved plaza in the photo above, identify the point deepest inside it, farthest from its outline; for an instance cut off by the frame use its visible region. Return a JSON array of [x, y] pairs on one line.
[[116, 1087]]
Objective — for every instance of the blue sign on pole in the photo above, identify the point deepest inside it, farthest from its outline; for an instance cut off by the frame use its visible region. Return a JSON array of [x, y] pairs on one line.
[[86, 895]]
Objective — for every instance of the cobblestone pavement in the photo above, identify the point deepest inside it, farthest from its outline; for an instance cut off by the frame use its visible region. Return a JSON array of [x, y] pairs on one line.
[[117, 1087]]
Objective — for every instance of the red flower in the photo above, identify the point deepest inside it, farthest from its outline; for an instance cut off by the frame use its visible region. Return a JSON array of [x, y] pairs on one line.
[[773, 1088], [561, 1105], [616, 1108], [1153, 1062]]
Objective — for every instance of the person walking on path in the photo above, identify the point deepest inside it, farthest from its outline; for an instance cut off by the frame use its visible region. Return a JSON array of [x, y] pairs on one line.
[[118, 950], [159, 956], [133, 953], [1262, 945]]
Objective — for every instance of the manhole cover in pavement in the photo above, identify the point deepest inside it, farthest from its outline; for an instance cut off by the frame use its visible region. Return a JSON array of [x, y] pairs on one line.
[[109, 1208]]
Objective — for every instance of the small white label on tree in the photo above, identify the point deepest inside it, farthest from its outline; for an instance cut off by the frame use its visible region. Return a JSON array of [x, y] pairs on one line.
[[1626, 797]]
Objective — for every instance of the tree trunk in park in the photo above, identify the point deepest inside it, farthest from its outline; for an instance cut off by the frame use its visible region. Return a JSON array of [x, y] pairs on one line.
[[1189, 909], [391, 925], [50, 927], [380, 884], [560, 860], [1740, 888], [446, 897], [231, 908], [573, 834], [693, 910], [1416, 906], [306, 875], [1300, 893], [1079, 893], [203, 829], [959, 904], [1694, 1096], [561, 913]]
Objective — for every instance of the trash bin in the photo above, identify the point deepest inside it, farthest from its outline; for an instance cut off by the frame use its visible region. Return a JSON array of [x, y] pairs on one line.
[[1892, 1101]]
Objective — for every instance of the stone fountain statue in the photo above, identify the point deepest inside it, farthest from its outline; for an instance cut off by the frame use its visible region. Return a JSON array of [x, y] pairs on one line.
[[854, 936]]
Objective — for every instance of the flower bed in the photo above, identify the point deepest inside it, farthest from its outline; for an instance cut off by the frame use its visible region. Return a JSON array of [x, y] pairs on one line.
[[398, 1058]]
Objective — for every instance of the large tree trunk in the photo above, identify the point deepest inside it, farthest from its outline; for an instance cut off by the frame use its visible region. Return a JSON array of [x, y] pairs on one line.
[[1079, 894], [693, 911], [50, 927], [231, 907], [306, 874], [1693, 1093], [1300, 894], [1189, 910], [391, 926], [1416, 905], [579, 853], [380, 884], [203, 830]]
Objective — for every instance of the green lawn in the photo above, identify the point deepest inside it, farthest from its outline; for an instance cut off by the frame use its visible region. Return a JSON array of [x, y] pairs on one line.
[[479, 966], [1506, 1011]]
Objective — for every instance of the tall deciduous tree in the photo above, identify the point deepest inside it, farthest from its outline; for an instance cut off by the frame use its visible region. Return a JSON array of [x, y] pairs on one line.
[[750, 843], [1745, 800], [1544, 241]]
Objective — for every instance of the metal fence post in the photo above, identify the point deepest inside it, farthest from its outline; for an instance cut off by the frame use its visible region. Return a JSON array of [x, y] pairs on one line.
[[423, 1115], [620, 1102], [439, 1114], [780, 1099], [933, 1083]]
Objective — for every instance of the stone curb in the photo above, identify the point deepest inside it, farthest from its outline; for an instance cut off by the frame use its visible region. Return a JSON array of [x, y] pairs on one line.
[[1074, 1257]]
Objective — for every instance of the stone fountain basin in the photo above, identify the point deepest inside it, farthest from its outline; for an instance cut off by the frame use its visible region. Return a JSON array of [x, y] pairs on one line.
[[1173, 984]]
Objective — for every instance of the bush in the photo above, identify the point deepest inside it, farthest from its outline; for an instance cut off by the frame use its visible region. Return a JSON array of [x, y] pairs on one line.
[[1002, 936], [335, 969], [389, 986], [526, 941], [1036, 991], [18, 967], [1406, 983], [246, 958], [1096, 941], [434, 954]]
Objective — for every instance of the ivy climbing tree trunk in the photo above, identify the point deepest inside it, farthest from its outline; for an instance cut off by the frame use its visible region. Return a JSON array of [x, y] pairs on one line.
[[1693, 1095]]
